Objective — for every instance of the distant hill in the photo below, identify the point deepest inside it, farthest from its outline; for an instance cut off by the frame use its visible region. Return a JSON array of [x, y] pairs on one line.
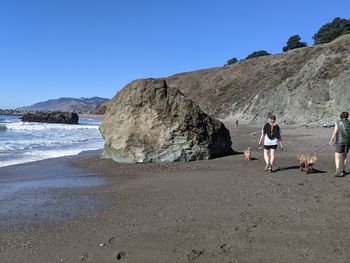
[[79, 105]]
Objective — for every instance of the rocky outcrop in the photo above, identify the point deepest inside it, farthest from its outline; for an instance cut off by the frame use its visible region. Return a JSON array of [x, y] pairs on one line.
[[100, 109], [11, 112], [148, 121], [51, 117], [304, 86]]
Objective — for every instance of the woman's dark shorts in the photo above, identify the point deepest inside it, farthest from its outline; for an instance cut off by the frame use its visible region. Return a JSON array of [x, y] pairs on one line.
[[269, 147], [342, 148]]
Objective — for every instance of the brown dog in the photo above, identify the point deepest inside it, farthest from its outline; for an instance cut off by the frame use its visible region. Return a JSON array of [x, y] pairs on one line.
[[247, 154], [306, 162]]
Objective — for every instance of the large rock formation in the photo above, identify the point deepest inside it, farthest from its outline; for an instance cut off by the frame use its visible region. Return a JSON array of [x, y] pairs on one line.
[[51, 117], [148, 121], [305, 86]]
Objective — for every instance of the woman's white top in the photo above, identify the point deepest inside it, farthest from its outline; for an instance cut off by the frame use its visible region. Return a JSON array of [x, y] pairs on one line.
[[269, 142]]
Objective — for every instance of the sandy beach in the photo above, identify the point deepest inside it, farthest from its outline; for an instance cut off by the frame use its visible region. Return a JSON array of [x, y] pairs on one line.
[[88, 209]]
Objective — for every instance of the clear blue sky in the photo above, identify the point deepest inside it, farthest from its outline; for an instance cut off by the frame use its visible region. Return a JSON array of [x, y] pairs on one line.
[[84, 48]]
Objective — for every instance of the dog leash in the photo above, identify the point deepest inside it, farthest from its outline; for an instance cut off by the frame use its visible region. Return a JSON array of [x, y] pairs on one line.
[[320, 148]]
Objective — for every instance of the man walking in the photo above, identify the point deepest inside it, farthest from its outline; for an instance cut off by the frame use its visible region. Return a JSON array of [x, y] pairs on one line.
[[341, 134]]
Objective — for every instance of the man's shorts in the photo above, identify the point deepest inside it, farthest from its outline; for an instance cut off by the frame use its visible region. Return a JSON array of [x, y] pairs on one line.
[[269, 147], [342, 148]]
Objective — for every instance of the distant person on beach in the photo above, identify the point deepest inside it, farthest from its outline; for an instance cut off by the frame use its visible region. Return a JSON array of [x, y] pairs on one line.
[[341, 134], [271, 134], [236, 123]]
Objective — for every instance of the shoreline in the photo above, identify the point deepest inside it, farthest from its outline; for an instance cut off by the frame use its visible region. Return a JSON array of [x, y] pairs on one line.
[[91, 116], [81, 153]]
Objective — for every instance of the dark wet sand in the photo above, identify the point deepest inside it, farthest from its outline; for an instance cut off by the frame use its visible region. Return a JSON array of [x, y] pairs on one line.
[[223, 210], [46, 191]]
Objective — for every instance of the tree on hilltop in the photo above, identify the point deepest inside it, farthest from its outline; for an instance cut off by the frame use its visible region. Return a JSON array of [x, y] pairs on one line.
[[293, 43], [232, 61], [330, 31], [258, 53]]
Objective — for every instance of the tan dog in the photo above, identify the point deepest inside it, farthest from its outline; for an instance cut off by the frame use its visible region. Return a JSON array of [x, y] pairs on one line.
[[247, 154], [306, 162]]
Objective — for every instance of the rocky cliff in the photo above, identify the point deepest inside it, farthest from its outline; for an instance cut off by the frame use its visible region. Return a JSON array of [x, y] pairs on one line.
[[306, 85]]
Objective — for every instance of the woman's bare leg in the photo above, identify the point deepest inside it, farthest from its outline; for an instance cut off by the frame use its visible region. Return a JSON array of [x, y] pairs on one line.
[[338, 161], [272, 157], [267, 156]]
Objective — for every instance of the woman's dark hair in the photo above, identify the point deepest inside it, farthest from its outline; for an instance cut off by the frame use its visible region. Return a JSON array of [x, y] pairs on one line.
[[273, 118], [344, 115]]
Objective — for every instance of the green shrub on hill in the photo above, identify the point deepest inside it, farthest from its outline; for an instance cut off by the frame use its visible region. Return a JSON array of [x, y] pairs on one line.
[[293, 43], [330, 31], [232, 61], [259, 53]]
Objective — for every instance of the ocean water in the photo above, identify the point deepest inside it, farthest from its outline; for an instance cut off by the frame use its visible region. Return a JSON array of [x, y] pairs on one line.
[[26, 142]]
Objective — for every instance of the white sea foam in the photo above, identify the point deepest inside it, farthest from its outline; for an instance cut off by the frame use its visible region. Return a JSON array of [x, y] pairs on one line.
[[27, 142], [41, 155], [37, 155], [26, 126]]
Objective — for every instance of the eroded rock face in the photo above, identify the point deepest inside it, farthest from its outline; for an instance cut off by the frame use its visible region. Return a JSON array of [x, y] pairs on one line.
[[303, 86], [148, 121], [100, 109], [51, 117]]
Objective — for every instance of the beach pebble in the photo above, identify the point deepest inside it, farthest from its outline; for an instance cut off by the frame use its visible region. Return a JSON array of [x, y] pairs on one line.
[[120, 255]]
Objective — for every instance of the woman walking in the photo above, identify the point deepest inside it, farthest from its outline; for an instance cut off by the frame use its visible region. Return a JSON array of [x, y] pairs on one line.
[[271, 134], [341, 135]]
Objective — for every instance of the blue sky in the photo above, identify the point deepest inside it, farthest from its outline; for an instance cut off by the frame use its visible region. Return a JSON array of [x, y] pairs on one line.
[[84, 48]]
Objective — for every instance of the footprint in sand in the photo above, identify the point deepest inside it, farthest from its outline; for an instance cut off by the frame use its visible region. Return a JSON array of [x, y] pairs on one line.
[[195, 253], [112, 241], [84, 257]]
